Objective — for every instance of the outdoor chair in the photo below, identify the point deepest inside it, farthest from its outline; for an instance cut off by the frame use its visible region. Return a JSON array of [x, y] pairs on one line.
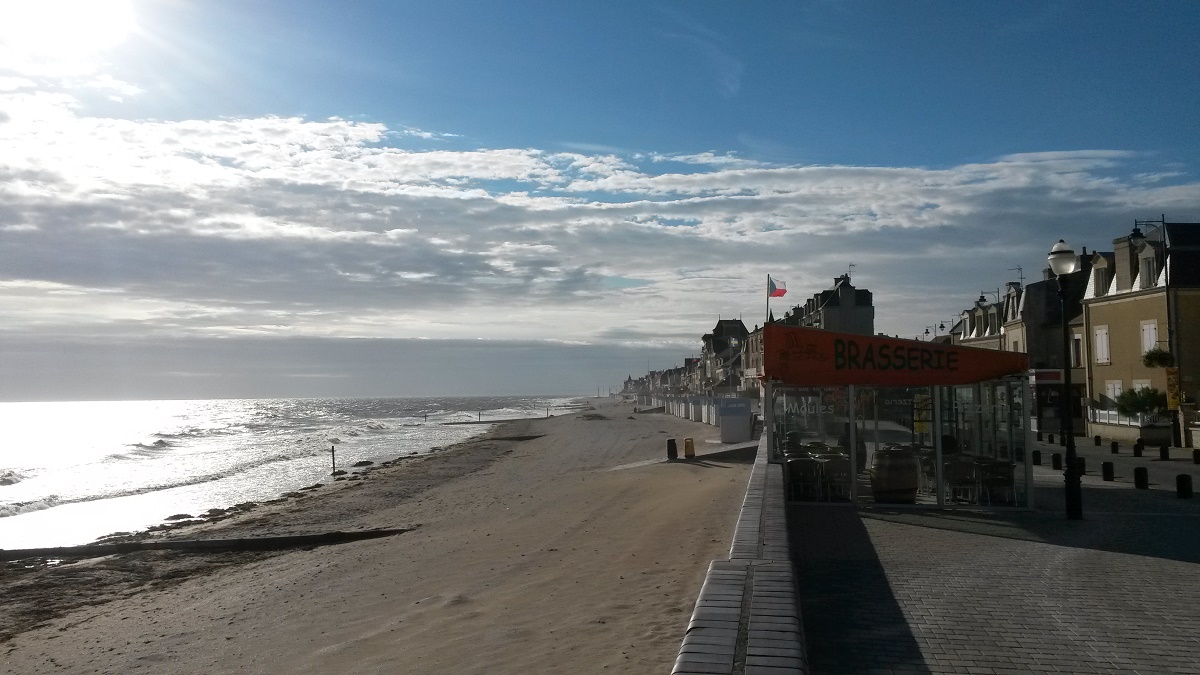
[[804, 479], [928, 471], [997, 478], [837, 478], [962, 479]]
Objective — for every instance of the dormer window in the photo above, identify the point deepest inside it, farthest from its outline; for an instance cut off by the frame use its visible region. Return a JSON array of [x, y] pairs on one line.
[[1100, 281], [1148, 273]]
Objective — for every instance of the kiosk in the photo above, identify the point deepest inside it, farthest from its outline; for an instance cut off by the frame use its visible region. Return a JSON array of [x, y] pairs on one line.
[[861, 419]]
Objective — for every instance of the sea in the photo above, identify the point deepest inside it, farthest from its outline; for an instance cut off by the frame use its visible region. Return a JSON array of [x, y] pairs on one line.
[[72, 472]]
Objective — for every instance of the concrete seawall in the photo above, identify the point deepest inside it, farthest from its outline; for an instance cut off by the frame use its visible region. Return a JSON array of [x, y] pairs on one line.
[[747, 616]]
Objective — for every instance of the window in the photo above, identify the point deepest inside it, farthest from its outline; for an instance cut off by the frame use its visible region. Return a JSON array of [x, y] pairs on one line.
[[1149, 335], [1076, 351], [1112, 389], [1102, 344], [1016, 345], [1140, 384], [1100, 282], [1149, 277]]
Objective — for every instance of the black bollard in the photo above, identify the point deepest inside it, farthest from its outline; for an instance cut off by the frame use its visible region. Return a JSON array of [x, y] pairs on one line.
[[1137, 448], [1183, 486], [1164, 453], [1037, 457], [1081, 465], [1039, 436], [1050, 439], [1116, 447], [1196, 456], [1106, 470], [1141, 478], [672, 451], [1062, 440], [1097, 440], [1056, 461]]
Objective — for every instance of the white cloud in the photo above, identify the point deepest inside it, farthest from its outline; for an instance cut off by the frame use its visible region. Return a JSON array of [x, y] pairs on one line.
[[15, 83], [708, 159], [321, 228]]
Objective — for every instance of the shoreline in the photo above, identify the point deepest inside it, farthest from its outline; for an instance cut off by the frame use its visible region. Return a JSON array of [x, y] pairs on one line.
[[224, 509], [547, 545], [111, 577]]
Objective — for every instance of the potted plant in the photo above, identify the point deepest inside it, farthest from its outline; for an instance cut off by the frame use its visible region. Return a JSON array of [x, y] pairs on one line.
[[1157, 357], [1146, 400]]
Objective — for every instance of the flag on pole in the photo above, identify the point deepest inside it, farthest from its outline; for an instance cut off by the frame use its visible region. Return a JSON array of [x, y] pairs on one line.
[[775, 288]]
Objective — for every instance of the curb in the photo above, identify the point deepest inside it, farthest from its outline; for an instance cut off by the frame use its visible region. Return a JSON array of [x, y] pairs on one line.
[[747, 617]]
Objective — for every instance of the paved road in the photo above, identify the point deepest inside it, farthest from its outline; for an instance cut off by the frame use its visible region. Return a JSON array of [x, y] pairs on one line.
[[908, 591]]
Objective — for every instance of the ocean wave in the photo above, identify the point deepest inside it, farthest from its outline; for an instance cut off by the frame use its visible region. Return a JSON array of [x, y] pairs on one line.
[[160, 444], [51, 501], [11, 477], [17, 508]]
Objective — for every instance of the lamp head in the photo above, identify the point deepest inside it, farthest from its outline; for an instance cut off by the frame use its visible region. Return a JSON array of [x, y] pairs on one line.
[[1062, 259]]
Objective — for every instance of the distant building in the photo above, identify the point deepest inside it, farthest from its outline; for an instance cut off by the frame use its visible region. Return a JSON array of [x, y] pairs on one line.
[[752, 359], [842, 308], [981, 326], [1029, 319], [721, 357]]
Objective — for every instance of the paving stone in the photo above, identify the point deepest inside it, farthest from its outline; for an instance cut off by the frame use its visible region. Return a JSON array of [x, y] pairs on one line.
[[775, 661], [964, 592]]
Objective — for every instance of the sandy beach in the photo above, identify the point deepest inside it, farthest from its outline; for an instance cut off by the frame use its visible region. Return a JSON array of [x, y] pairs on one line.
[[563, 544]]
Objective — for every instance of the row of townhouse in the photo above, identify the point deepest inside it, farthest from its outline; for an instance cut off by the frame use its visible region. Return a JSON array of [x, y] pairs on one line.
[[716, 372], [1143, 296], [730, 358]]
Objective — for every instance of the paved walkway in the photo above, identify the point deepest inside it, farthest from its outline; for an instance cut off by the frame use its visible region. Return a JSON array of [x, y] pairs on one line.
[[1161, 473], [917, 591]]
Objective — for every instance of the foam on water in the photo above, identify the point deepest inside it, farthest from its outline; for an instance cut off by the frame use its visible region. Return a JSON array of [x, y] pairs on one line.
[[109, 466]]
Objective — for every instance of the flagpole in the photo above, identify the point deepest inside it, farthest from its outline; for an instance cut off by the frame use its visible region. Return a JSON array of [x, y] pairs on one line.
[[768, 300]]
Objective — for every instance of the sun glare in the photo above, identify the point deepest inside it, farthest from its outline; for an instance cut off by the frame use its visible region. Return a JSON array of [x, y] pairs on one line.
[[64, 29]]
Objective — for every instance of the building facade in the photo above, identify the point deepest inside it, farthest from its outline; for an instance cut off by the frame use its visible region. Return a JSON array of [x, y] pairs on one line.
[[1145, 295], [841, 308]]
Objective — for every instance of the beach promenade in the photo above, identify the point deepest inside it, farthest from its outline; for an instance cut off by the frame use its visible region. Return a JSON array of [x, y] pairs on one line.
[[569, 544], [558, 545], [912, 591]]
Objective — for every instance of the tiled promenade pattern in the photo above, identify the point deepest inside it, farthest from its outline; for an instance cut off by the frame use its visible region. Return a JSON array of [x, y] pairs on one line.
[[747, 617], [918, 591]]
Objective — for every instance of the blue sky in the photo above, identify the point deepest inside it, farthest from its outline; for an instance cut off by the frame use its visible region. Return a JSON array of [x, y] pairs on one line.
[[590, 185]]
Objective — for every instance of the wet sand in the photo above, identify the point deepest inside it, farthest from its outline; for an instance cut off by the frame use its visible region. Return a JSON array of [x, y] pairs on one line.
[[548, 545]]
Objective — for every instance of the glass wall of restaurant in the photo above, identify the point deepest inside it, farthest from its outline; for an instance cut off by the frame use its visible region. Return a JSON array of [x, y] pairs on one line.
[[950, 445]]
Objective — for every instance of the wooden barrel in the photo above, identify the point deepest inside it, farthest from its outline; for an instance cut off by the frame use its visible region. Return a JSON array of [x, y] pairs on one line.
[[895, 476]]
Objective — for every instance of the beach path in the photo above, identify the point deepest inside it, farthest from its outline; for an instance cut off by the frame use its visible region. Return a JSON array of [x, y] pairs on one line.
[[571, 552]]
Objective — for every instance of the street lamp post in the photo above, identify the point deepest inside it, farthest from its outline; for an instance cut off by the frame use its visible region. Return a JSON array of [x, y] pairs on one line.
[[1063, 262]]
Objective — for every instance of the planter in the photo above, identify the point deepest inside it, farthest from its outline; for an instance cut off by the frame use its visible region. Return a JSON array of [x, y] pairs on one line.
[[895, 476]]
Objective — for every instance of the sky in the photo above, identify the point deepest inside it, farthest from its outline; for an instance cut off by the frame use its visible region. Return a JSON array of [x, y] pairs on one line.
[[219, 198]]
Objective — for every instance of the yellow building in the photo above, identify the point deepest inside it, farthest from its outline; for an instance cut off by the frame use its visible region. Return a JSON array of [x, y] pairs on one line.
[[1145, 294]]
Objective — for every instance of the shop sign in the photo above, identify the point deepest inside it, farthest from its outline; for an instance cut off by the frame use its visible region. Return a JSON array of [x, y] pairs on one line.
[[813, 357], [1172, 388]]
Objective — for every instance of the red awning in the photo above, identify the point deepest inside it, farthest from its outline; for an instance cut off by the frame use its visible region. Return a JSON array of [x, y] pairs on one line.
[[811, 357]]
